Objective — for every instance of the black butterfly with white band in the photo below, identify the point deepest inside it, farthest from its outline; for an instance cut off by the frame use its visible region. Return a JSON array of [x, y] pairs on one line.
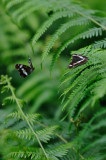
[[25, 70], [77, 60]]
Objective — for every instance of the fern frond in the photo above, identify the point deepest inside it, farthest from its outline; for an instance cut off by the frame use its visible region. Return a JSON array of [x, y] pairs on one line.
[[8, 99], [81, 91], [33, 5], [28, 9], [5, 80], [30, 6], [16, 115], [91, 33], [87, 34], [78, 88], [100, 44], [92, 130], [100, 141], [62, 29], [27, 154], [6, 86], [98, 90], [12, 3], [4, 89], [54, 153], [49, 22], [86, 72], [99, 125], [31, 117], [44, 134], [60, 150]]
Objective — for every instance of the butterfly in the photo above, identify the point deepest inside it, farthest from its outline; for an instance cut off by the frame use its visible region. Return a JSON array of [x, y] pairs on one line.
[[77, 60], [25, 70]]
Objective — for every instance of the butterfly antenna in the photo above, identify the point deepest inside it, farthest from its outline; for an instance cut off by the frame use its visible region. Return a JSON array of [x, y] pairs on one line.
[[30, 63]]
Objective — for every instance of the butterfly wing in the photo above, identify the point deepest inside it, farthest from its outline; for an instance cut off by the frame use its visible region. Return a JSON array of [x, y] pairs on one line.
[[77, 60], [23, 70]]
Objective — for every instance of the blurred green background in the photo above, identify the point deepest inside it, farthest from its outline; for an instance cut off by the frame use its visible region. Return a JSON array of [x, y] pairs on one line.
[[96, 4]]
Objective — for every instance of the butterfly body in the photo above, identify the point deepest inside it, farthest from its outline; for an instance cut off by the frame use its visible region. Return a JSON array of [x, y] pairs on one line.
[[77, 60], [25, 70]]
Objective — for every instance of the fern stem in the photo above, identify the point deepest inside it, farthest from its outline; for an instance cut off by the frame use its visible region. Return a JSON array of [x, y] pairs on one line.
[[90, 18], [17, 102], [65, 141], [60, 137]]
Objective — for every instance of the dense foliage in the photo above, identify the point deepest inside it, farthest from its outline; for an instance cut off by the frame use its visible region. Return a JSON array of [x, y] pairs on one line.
[[55, 113]]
